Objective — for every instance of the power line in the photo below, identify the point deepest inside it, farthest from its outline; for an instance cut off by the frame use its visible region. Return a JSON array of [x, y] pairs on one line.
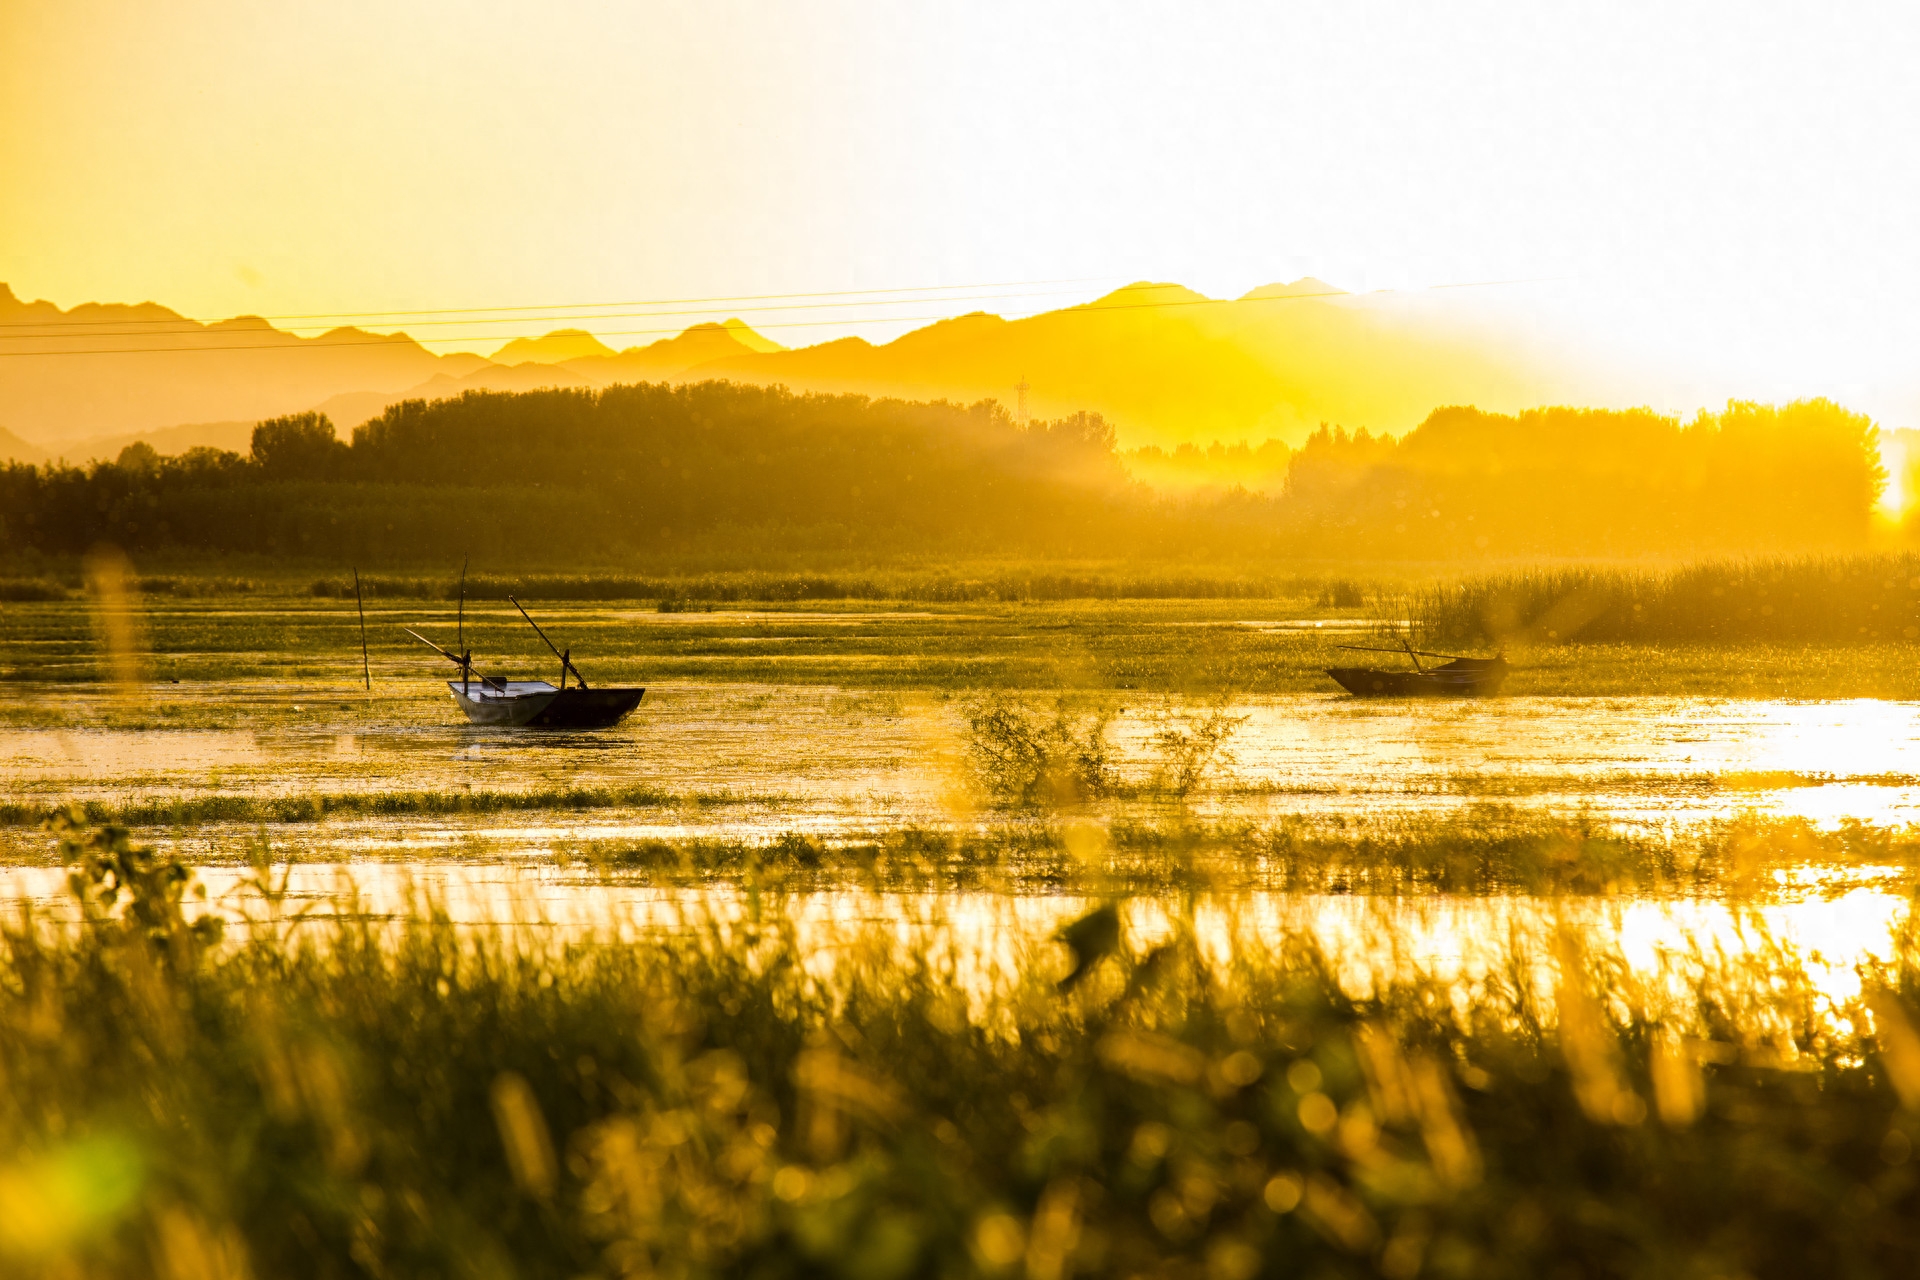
[[296, 343], [516, 312], [198, 328]]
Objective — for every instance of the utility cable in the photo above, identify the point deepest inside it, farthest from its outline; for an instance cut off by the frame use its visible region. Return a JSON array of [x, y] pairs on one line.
[[516, 312], [294, 342]]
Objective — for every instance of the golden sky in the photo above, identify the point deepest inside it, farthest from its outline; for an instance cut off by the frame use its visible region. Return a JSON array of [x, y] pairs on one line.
[[1728, 194]]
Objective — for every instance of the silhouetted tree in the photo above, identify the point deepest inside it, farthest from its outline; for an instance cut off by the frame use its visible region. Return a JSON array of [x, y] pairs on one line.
[[636, 467], [139, 457], [302, 446]]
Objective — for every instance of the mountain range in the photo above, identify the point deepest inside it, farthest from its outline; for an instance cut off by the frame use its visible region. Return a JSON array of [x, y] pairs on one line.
[[1164, 364]]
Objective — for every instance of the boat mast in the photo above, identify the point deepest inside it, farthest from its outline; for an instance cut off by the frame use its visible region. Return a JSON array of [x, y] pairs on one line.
[[566, 659], [454, 658], [466, 654], [366, 671], [1408, 646]]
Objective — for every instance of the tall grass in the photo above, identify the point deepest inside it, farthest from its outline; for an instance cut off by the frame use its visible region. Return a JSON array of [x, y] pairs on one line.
[[1028, 756], [932, 586], [315, 806], [1485, 850], [407, 1099], [18, 590], [1823, 599], [1152, 846]]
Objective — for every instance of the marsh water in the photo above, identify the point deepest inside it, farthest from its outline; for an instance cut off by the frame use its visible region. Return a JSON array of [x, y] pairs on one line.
[[751, 760], [862, 742]]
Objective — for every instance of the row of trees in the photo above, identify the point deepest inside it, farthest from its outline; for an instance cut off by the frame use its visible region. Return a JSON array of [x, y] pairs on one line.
[[569, 473], [593, 472], [1594, 482]]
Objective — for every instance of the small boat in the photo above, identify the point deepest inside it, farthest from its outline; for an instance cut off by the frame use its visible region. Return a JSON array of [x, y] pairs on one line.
[[536, 704], [540, 705], [1457, 677]]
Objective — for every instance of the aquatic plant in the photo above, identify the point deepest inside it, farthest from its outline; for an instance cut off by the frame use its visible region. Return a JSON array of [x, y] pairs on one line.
[[1192, 744], [1024, 755], [1831, 599], [405, 1097], [316, 806]]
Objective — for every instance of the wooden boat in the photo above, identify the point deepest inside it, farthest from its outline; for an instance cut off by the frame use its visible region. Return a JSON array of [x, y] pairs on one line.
[[533, 704], [1457, 677], [539, 705]]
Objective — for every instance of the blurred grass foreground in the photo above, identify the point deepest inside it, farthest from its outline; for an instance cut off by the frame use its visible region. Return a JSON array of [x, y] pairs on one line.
[[353, 1096]]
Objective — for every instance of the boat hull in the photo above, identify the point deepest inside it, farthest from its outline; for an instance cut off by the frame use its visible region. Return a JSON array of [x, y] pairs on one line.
[[535, 704], [587, 708], [1465, 678]]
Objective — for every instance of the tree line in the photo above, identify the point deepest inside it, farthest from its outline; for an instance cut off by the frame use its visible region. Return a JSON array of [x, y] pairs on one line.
[[1592, 482], [570, 475], [588, 473]]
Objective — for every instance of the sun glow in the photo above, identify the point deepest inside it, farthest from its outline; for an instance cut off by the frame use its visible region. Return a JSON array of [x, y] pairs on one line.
[[1899, 457], [228, 159]]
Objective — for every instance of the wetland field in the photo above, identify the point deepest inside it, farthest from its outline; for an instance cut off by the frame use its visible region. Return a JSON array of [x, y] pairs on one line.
[[900, 937]]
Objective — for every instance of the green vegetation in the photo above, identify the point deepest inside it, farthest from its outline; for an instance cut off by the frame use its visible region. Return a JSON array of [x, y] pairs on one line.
[[1484, 850], [1027, 756], [552, 476], [1260, 468], [1023, 755], [1493, 849], [1591, 482], [935, 585], [194, 810], [359, 1097], [736, 474], [1809, 626], [738, 1093], [18, 589], [1248, 645], [1761, 600]]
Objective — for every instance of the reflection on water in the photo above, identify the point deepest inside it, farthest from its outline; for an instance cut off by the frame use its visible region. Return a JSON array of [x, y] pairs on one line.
[[1583, 735], [1828, 931], [829, 761]]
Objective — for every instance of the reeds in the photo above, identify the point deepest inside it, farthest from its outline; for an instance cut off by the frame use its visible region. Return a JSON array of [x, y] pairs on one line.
[[1023, 755], [931, 586], [1817, 599], [1029, 756], [1150, 845], [189, 810], [17, 590], [405, 1098]]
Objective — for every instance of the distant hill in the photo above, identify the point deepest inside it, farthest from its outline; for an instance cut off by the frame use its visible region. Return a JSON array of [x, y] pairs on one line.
[[14, 449], [97, 370], [667, 360], [1304, 287], [561, 344], [235, 436], [700, 345], [746, 336], [1164, 364]]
